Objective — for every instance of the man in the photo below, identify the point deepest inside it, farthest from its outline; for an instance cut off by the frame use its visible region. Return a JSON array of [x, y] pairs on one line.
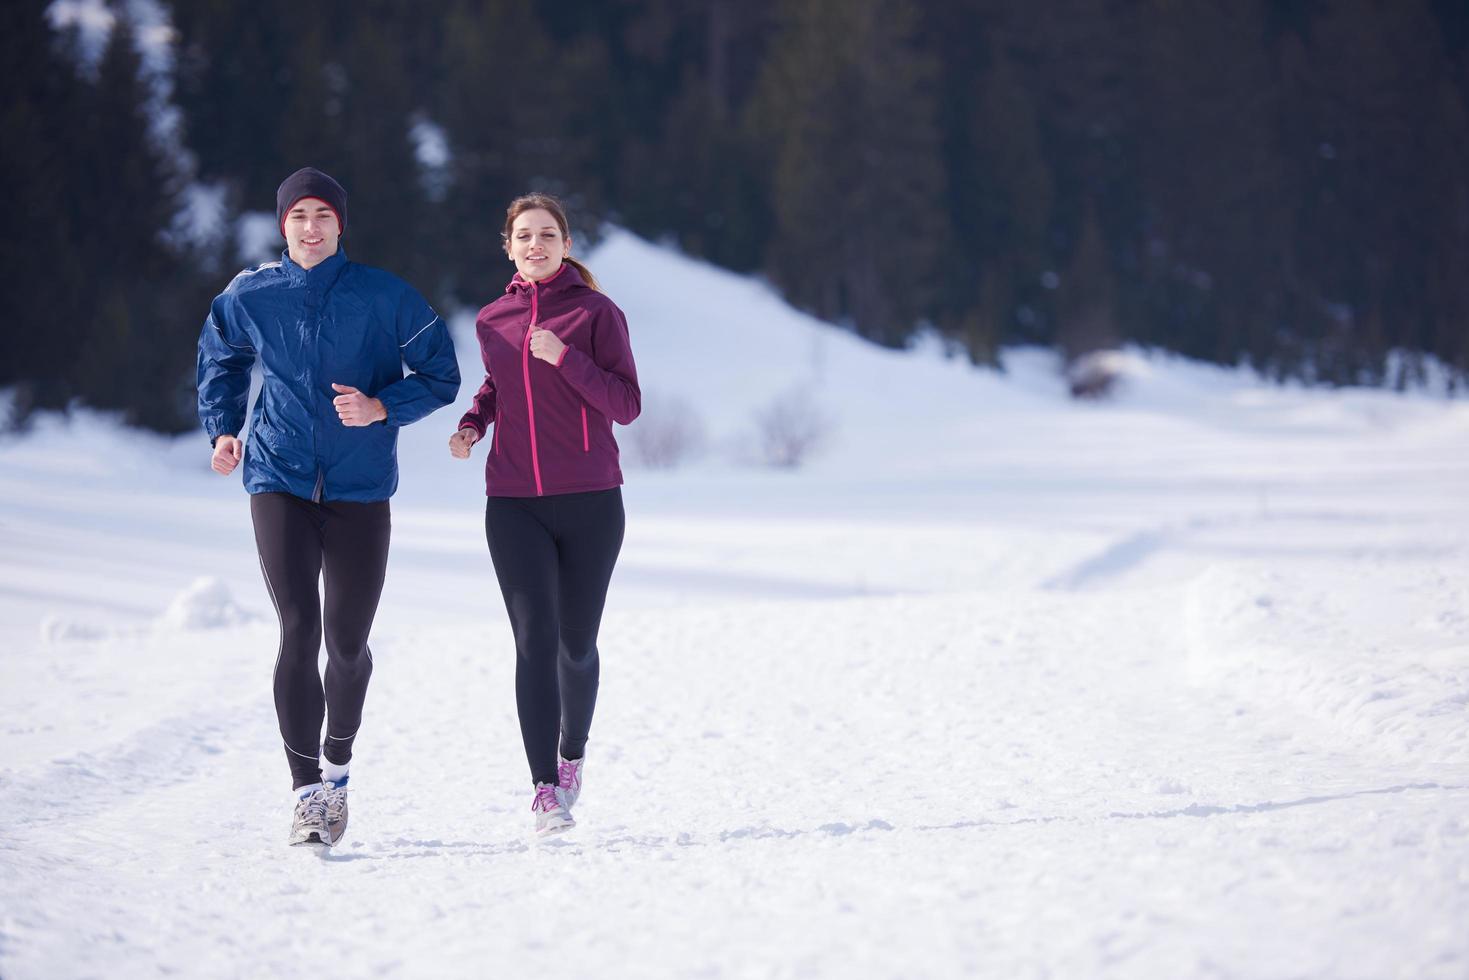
[[331, 338]]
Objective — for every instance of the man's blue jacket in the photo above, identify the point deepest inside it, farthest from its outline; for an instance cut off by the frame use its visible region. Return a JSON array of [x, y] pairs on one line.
[[337, 322]]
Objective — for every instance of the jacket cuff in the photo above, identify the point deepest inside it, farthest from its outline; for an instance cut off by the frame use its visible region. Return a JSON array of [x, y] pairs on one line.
[[215, 428]]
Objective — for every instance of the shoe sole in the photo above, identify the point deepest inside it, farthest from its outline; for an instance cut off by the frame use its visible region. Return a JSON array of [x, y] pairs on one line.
[[555, 829]]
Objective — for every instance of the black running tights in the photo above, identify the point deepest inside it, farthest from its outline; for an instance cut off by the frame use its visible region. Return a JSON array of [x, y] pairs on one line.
[[345, 546], [554, 557]]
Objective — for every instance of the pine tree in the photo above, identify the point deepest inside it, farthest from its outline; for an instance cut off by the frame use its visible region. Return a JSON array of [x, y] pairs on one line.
[[1368, 112], [236, 71], [137, 349], [1219, 211], [846, 109], [41, 275], [1087, 316], [694, 174], [527, 119], [1011, 199]]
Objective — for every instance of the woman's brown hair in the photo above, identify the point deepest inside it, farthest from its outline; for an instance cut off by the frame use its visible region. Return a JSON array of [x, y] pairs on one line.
[[530, 202]]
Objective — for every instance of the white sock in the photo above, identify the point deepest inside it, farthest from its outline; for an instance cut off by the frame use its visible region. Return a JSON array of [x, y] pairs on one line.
[[301, 792], [333, 773]]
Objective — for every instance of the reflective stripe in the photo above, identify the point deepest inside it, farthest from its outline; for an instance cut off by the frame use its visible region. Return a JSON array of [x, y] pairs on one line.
[[415, 336], [219, 330], [282, 648]]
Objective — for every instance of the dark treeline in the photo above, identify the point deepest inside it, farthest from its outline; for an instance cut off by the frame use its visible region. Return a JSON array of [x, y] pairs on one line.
[[1283, 183]]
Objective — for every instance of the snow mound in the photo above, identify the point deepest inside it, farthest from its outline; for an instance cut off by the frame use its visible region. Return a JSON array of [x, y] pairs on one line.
[[205, 604], [1283, 643]]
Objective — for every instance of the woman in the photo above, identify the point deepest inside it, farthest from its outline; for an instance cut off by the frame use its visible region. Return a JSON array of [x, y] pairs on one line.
[[331, 338], [558, 372]]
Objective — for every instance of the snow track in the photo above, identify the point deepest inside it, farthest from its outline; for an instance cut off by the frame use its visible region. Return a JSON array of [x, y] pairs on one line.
[[1021, 783]]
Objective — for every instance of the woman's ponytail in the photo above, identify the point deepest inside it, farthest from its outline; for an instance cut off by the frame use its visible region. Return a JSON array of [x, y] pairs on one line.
[[586, 273]]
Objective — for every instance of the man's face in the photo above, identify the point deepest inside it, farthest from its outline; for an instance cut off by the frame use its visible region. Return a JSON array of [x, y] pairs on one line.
[[312, 231]]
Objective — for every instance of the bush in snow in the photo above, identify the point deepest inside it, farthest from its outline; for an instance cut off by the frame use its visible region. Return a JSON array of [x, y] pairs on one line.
[[668, 432], [791, 428], [1097, 374]]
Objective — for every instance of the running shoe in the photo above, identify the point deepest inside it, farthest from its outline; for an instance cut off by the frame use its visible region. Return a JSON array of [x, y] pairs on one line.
[[308, 824], [336, 810], [568, 780], [552, 817]]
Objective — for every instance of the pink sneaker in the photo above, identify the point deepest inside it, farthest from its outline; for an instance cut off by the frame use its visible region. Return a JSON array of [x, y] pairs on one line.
[[568, 780], [552, 817]]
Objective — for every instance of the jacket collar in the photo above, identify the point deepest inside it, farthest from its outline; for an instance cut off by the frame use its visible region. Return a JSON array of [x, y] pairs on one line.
[[321, 275], [565, 278]]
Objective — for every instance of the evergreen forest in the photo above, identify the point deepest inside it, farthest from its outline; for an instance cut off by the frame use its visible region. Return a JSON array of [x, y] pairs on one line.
[[1278, 183]]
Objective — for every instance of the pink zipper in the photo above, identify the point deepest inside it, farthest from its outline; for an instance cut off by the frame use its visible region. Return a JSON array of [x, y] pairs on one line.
[[586, 443], [530, 402]]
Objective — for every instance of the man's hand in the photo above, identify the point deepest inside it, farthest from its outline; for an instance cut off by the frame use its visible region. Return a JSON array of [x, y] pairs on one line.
[[355, 408], [226, 455]]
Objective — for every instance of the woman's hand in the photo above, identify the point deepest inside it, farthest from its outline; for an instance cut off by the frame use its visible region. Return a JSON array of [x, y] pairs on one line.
[[226, 455], [546, 345], [355, 408], [461, 442]]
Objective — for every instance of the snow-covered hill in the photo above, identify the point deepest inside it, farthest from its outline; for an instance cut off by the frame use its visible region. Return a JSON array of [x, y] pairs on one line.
[[995, 684]]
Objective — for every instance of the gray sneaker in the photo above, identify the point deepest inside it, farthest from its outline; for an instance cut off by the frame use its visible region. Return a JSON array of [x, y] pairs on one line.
[[568, 780], [308, 825], [336, 810], [552, 817]]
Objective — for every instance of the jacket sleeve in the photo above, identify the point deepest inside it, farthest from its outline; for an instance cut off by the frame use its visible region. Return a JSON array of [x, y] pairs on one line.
[[226, 355], [428, 351], [606, 376], [482, 412]]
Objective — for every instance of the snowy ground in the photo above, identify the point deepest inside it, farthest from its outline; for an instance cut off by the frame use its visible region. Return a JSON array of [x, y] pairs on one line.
[[997, 685]]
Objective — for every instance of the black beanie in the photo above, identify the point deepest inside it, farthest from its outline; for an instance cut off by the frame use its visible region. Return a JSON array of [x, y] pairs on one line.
[[310, 182]]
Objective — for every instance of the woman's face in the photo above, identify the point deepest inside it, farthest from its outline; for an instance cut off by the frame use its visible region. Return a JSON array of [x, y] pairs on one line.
[[536, 245]]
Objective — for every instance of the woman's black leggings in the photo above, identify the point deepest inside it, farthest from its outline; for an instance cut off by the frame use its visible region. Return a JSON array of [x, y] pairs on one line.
[[345, 546], [554, 558]]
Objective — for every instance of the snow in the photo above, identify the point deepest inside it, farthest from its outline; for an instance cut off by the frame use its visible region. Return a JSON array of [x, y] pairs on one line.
[[431, 150], [994, 684], [201, 222], [258, 237], [94, 20]]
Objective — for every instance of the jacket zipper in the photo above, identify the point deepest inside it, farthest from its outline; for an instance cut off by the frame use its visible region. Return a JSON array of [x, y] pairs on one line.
[[530, 403], [314, 311]]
